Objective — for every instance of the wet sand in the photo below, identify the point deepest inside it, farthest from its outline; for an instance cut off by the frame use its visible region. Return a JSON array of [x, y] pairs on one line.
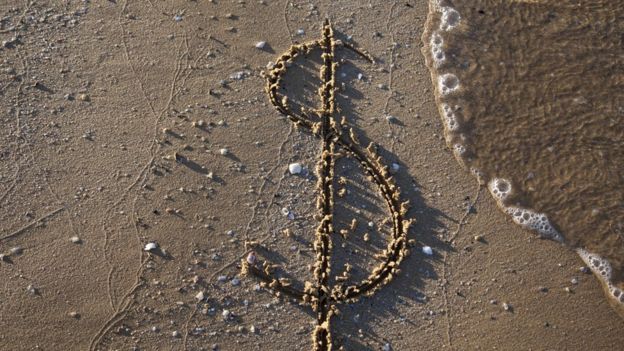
[[115, 116]]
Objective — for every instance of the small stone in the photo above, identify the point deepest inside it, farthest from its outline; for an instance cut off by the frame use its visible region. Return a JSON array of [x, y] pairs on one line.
[[31, 289], [574, 281], [154, 329], [224, 151], [235, 281], [177, 18], [386, 347], [74, 314], [396, 167], [478, 238], [76, 240], [176, 334], [391, 119], [507, 307], [226, 314], [251, 258], [222, 278], [261, 45], [285, 211], [295, 168], [151, 246], [300, 31], [200, 296], [84, 97], [427, 250], [15, 251], [253, 329]]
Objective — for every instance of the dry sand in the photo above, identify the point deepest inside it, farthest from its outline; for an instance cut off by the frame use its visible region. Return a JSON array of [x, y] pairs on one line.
[[87, 90]]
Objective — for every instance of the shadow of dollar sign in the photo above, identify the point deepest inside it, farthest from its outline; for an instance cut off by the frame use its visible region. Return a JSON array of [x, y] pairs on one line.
[[322, 297]]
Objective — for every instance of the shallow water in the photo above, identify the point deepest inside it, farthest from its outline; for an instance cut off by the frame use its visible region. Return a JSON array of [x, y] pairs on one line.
[[533, 93]]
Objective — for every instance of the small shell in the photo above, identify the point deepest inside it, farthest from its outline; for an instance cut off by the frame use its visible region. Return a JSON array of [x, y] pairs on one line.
[[295, 168], [151, 246], [252, 258]]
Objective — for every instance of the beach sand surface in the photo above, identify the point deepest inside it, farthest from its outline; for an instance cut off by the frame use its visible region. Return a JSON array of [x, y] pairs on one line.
[[135, 122]]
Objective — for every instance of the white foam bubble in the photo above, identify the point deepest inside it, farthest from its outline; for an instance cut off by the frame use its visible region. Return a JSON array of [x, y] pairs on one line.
[[618, 294], [500, 189], [535, 221], [448, 118], [448, 83], [597, 264], [602, 269], [450, 18], [478, 174], [459, 150], [436, 43]]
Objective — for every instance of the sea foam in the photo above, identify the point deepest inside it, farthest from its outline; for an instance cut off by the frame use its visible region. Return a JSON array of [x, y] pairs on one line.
[[448, 84]]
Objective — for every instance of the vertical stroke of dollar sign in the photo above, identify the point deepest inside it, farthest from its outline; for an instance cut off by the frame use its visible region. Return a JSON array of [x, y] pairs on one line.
[[322, 297]]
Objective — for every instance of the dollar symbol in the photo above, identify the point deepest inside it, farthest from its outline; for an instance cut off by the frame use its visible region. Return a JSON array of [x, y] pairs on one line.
[[322, 297]]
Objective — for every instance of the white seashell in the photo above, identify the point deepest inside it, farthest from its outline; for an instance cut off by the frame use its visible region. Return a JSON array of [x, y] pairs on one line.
[[150, 246], [251, 258], [427, 250], [295, 168]]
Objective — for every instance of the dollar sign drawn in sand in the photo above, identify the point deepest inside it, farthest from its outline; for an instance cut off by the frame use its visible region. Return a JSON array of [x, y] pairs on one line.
[[318, 294]]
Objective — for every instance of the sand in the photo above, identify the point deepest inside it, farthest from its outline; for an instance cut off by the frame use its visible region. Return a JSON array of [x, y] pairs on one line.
[[98, 104]]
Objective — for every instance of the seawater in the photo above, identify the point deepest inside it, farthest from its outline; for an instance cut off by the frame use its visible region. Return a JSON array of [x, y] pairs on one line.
[[531, 95]]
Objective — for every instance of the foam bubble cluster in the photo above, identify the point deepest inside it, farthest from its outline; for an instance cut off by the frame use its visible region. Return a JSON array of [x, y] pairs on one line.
[[448, 83], [436, 43], [501, 189], [602, 268], [449, 118], [450, 18], [459, 150], [597, 264], [535, 221]]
